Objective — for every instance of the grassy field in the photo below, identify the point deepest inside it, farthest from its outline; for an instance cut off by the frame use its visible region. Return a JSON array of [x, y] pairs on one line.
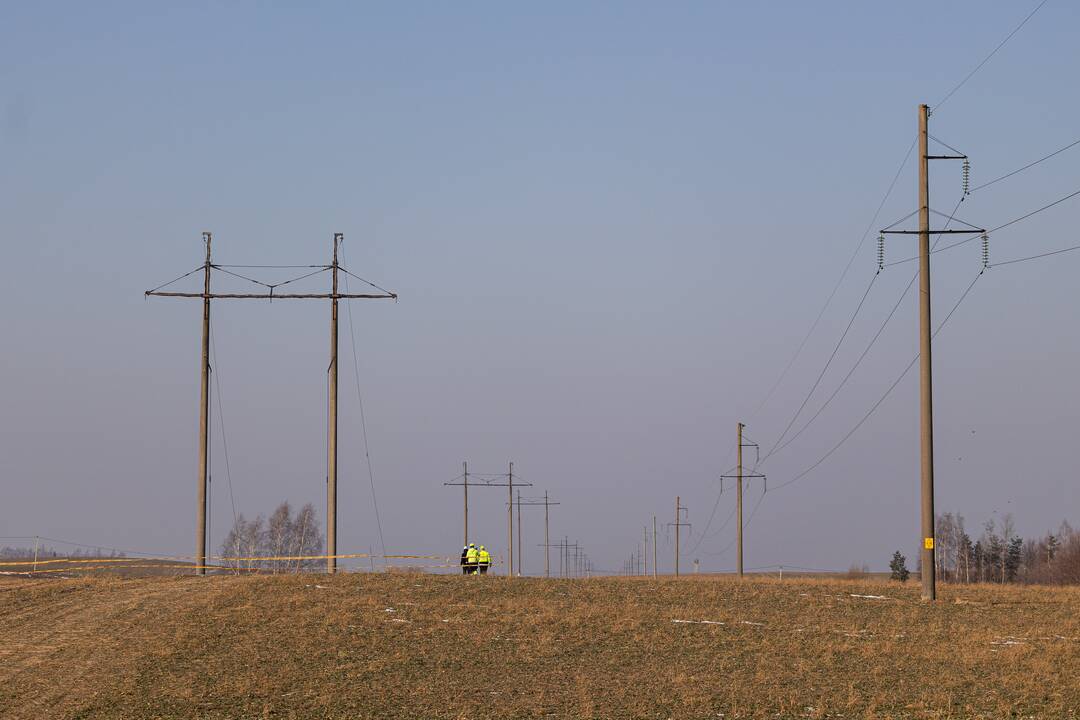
[[422, 646]]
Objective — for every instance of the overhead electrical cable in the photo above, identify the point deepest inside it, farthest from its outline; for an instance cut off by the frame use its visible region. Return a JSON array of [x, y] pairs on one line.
[[221, 424], [966, 240], [839, 282], [1036, 257], [832, 356], [873, 340], [1029, 165], [363, 419], [987, 58], [877, 404]]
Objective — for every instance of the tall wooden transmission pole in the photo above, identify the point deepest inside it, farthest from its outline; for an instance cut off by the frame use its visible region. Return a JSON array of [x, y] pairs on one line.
[[546, 502], [510, 518], [654, 568], [739, 476], [547, 540], [926, 367], [926, 380], [465, 467], [332, 423], [204, 416], [678, 524], [738, 500], [645, 552]]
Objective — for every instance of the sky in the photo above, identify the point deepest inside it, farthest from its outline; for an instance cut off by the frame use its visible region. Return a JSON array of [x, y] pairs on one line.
[[610, 227]]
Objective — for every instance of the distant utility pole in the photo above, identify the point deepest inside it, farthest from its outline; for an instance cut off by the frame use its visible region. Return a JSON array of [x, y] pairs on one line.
[[654, 571], [565, 568], [739, 475], [204, 391], [546, 502], [926, 394], [678, 524], [491, 481], [521, 565], [645, 552]]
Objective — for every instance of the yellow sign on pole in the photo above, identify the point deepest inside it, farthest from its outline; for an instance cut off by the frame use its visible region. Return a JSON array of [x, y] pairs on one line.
[[928, 543]]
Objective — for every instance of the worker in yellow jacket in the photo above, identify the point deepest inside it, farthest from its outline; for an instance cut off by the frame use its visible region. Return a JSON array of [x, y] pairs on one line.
[[484, 558], [472, 559]]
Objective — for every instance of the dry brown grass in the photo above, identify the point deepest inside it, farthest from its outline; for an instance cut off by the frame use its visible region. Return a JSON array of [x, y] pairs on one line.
[[459, 647]]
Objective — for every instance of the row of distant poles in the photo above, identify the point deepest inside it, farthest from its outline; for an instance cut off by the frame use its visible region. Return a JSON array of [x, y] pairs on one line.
[[570, 563], [204, 370]]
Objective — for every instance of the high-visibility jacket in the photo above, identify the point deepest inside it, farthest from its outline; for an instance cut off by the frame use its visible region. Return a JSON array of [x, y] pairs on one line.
[[471, 556], [485, 557]]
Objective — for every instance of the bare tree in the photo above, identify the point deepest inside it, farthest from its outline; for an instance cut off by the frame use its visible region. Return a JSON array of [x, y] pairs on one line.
[[271, 545]]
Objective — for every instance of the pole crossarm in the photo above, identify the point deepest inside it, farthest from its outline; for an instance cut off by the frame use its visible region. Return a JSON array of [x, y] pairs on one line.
[[933, 232], [272, 296], [492, 483]]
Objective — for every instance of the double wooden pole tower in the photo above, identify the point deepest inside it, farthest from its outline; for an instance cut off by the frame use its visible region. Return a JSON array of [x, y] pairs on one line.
[[204, 392]]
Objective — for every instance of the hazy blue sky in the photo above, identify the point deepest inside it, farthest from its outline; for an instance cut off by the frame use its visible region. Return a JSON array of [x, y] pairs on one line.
[[610, 225]]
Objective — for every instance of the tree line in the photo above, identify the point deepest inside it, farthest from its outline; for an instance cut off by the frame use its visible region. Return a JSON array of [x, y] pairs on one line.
[[999, 554]]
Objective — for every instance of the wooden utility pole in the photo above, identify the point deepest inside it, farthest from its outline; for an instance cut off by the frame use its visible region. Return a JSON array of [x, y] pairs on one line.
[[465, 467], [678, 524], [926, 380], [926, 390], [510, 517], [645, 552], [547, 541], [204, 404], [739, 477], [204, 415], [332, 423], [521, 565], [654, 570], [546, 502], [738, 501]]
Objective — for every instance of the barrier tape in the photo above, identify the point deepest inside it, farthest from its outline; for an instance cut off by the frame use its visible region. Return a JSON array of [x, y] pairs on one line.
[[272, 558], [230, 570]]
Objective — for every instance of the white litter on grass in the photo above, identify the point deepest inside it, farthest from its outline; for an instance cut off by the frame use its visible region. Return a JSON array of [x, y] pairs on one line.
[[748, 622], [389, 610], [699, 622], [1007, 640], [872, 597], [318, 587], [399, 620]]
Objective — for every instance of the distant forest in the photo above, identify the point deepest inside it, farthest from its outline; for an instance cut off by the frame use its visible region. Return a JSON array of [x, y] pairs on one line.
[[1000, 555], [44, 553]]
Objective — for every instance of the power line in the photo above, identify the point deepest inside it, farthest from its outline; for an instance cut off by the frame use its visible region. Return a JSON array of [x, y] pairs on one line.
[[828, 362], [876, 405], [221, 422], [840, 281], [873, 340], [1029, 165], [1036, 257], [363, 420], [987, 58], [965, 241]]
